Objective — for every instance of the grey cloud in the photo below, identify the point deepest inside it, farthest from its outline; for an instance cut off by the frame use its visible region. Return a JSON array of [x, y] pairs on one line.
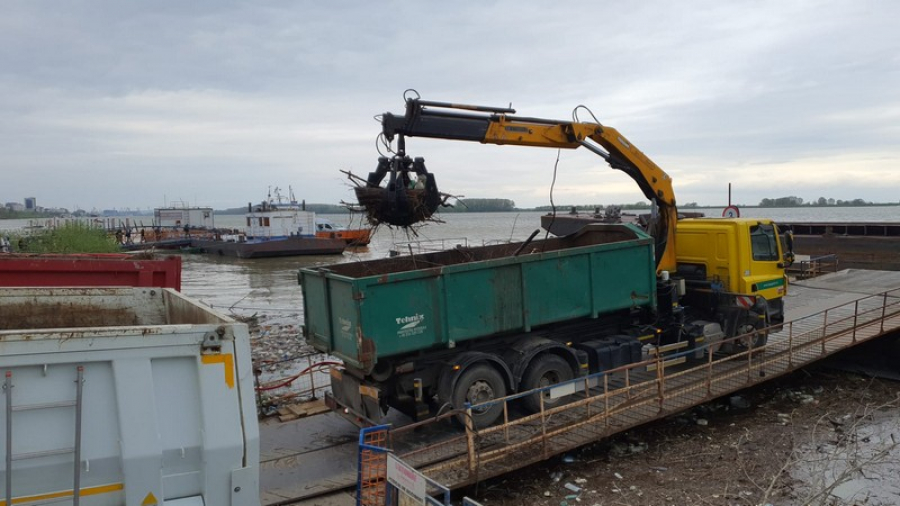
[[218, 99]]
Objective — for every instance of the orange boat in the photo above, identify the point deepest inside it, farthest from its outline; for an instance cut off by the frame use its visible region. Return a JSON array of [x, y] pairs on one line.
[[352, 236]]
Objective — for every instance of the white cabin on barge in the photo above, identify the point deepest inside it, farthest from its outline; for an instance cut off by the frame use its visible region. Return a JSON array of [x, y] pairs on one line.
[[270, 221]]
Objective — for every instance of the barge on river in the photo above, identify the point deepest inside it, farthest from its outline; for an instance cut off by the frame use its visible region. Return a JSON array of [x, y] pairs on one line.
[[275, 228], [857, 245]]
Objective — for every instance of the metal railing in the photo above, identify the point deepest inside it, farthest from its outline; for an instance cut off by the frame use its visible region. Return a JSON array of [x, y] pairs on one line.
[[616, 400], [428, 246], [814, 266], [293, 380]]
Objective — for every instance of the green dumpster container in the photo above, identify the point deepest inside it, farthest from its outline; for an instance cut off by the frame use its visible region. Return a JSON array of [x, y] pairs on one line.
[[363, 311]]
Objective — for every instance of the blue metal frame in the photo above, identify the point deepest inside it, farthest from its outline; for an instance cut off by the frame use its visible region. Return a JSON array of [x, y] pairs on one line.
[[390, 492], [377, 449]]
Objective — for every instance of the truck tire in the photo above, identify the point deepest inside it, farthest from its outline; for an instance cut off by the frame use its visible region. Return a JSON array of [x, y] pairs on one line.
[[545, 370], [754, 337], [479, 383]]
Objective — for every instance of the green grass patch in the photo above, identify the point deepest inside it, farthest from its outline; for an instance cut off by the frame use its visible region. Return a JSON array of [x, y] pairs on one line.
[[68, 238]]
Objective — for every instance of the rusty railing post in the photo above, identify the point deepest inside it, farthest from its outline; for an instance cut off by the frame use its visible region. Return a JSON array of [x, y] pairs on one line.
[[660, 381], [606, 399], [312, 375], [587, 396], [628, 382], [750, 357], [543, 428], [790, 344], [506, 421], [470, 443]]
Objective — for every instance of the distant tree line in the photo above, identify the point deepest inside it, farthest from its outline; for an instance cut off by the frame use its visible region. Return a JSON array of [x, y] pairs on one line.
[[794, 201], [8, 214]]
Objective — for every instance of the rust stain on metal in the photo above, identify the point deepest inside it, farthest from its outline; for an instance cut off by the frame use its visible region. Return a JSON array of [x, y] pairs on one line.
[[434, 271], [366, 349]]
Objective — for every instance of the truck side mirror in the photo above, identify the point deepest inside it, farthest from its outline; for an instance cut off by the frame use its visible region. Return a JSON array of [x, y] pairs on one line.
[[789, 254], [787, 245]]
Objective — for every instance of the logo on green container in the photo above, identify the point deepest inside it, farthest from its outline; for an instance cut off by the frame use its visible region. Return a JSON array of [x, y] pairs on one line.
[[411, 325]]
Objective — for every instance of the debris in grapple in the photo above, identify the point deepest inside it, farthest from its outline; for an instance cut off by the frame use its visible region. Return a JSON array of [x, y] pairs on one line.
[[410, 196]]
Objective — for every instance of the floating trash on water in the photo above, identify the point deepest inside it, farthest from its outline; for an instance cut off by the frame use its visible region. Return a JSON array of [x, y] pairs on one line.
[[573, 487]]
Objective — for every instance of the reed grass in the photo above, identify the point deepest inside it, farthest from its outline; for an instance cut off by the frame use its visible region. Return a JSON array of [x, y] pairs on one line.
[[68, 238]]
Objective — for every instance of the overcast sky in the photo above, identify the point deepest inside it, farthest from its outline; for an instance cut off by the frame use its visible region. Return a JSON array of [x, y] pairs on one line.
[[115, 104]]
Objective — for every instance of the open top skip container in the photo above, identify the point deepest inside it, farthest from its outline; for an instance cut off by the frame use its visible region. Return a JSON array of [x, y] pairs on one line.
[[124, 396], [362, 311]]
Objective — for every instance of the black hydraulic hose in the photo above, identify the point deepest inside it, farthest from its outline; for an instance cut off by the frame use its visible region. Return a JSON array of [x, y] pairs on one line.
[[527, 242]]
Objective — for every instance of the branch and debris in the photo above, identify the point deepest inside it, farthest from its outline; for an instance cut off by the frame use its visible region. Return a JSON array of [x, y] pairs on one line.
[[816, 438]]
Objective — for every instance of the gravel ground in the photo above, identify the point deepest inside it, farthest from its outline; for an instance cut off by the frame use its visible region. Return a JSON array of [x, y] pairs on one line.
[[807, 440]]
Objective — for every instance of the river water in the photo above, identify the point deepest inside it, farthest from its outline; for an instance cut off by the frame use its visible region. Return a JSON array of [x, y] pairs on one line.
[[268, 287]]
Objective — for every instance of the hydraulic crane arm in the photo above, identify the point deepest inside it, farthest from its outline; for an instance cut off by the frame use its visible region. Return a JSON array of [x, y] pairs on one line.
[[491, 125]]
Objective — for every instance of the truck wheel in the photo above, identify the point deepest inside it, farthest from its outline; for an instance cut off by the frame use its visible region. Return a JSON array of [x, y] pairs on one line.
[[544, 371], [752, 339], [479, 383]]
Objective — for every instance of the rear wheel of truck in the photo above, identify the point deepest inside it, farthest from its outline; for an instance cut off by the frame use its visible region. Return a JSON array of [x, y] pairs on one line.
[[544, 371], [752, 337], [479, 383]]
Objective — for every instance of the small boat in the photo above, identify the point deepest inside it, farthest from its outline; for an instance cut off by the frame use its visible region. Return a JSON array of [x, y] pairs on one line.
[[275, 228], [352, 236]]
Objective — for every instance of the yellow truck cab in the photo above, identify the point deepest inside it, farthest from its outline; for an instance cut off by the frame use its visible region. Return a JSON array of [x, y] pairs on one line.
[[739, 256]]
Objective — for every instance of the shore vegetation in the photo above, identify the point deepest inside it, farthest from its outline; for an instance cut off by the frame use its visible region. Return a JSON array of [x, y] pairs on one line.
[[68, 238]]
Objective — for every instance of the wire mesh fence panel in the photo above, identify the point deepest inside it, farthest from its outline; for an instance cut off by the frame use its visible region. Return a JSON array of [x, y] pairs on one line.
[[371, 488], [292, 380]]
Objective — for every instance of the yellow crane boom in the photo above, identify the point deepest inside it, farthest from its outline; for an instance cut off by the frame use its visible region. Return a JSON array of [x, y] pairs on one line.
[[491, 125]]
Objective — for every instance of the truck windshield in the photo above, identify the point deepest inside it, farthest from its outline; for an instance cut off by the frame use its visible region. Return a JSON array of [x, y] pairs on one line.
[[764, 243]]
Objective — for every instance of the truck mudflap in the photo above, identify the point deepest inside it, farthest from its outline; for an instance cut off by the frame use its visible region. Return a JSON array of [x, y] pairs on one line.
[[351, 397]]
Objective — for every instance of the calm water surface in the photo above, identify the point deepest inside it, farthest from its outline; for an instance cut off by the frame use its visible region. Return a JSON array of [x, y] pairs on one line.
[[268, 286]]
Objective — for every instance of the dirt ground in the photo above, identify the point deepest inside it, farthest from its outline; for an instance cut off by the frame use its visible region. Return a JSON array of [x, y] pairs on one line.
[[804, 440]]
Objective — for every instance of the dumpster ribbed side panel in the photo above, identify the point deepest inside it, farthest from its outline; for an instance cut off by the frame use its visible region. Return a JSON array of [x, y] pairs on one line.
[[342, 317], [316, 311], [557, 288], [484, 301], [624, 280], [401, 316]]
